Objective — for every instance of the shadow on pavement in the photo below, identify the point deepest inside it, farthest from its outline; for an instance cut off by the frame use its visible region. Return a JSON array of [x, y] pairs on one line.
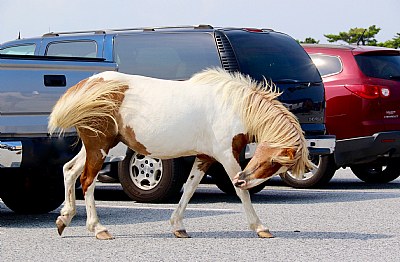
[[247, 234]]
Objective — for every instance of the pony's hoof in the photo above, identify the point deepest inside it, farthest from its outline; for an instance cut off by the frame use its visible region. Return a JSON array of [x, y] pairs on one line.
[[60, 226], [265, 234], [104, 235], [181, 234]]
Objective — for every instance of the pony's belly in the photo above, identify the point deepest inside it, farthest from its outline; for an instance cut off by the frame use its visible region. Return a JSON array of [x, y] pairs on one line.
[[169, 145], [170, 132]]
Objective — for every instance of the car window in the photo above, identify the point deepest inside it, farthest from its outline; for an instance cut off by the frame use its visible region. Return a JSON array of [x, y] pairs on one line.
[[167, 55], [279, 57], [72, 49], [326, 64], [26, 49], [386, 66]]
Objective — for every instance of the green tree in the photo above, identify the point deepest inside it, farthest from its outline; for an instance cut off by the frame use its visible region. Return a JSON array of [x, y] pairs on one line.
[[309, 40], [354, 34], [394, 43]]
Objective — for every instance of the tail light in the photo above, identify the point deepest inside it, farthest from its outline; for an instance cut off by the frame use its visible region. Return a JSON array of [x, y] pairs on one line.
[[369, 91]]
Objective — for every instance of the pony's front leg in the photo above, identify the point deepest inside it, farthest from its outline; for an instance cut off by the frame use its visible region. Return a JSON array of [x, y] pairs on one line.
[[71, 171], [189, 188], [232, 168], [252, 218]]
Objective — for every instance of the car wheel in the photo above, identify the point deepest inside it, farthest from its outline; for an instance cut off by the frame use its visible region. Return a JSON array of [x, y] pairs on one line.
[[378, 172], [224, 183], [146, 179], [33, 190], [325, 168]]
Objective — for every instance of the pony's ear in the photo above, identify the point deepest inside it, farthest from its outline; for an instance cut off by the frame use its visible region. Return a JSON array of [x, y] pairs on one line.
[[289, 152]]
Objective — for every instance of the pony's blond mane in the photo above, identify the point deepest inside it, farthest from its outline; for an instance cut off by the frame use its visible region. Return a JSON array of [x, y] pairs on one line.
[[265, 118]]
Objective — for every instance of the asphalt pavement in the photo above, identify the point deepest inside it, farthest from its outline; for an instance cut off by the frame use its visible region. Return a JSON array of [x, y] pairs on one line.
[[347, 221]]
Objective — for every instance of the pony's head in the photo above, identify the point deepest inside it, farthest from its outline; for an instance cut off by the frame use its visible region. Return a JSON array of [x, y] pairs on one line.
[[269, 161]]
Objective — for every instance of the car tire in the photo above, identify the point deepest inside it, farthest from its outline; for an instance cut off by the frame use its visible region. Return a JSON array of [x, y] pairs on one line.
[[224, 183], [146, 179], [33, 190], [325, 169], [378, 172]]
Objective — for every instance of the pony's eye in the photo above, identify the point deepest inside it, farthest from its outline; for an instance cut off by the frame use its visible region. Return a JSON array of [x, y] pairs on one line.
[[273, 163]]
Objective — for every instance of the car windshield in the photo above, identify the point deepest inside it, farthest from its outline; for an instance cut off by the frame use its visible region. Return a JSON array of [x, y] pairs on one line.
[[385, 66], [280, 59]]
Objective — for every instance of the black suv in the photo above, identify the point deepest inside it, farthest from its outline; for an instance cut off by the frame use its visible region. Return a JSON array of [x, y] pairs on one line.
[[179, 52]]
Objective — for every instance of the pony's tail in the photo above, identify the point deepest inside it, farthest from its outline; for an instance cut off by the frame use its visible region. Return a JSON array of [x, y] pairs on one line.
[[86, 104]]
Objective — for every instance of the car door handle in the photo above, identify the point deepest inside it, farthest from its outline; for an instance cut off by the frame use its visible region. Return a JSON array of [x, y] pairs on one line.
[[55, 80]]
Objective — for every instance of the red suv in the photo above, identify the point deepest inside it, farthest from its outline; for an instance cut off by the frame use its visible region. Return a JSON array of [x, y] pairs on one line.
[[362, 88]]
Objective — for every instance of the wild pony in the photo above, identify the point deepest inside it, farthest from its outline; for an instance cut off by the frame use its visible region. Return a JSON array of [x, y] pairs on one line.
[[212, 116]]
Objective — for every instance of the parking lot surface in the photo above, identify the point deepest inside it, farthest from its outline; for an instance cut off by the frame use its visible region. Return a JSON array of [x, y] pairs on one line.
[[347, 221]]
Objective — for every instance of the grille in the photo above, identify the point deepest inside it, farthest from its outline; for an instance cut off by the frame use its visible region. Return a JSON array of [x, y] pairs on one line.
[[226, 54]]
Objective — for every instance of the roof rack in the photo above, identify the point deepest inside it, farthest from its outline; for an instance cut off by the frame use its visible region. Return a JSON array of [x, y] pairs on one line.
[[100, 32], [97, 32]]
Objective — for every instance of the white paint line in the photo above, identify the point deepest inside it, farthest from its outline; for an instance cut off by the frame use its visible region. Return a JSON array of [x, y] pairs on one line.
[[166, 208]]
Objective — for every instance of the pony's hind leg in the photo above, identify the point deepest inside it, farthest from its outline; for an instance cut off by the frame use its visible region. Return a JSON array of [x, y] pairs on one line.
[[176, 220], [71, 170], [232, 168], [97, 147], [92, 223]]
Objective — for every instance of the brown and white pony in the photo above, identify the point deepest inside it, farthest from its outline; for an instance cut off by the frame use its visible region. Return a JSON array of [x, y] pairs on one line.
[[212, 116]]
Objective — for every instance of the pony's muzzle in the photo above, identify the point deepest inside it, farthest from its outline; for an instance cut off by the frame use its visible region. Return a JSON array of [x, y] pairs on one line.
[[239, 180]]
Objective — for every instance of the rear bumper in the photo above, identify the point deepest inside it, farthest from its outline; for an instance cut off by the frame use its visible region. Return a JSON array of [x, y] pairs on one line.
[[33, 152], [317, 145], [366, 149], [321, 145]]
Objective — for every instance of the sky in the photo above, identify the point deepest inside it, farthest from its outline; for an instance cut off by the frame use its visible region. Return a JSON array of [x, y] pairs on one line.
[[298, 18]]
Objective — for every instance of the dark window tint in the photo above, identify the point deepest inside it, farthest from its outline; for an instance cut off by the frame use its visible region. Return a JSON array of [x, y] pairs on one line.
[[327, 65], [380, 66], [27, 49], [274, 56], [167, 56], [72, 49]]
